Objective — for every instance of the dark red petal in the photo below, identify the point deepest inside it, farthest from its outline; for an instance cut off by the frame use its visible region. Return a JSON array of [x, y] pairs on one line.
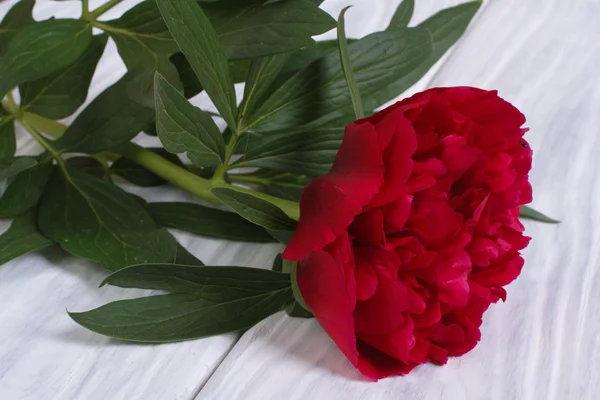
[[437, 354], [375, 364], [383, 312], [457, 157], [499, 273], [329, 203], [366, 281], [452, 278], [484, 107], [326, 282], [396, 344], [399, 142], [482, 250], [396, 214], [367, 228]]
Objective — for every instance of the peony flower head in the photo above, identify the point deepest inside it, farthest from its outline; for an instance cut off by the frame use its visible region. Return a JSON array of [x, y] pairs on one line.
[[414, 232]]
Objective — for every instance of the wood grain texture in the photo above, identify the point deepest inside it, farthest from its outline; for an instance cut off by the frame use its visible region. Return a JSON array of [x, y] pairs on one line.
[[45, 355], [544, 342]]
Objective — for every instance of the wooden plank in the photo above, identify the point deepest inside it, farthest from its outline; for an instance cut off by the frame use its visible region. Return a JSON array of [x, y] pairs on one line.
[[543, 343], [45, 355]]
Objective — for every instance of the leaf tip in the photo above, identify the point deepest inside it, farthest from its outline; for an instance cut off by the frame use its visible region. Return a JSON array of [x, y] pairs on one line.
[[343, 12]]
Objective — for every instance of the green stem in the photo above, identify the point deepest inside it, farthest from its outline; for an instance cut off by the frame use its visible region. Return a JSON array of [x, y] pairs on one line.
[[291, 208], [192, 183], [9, 104], [162, 167], [44, 143], [229, 150], [347, 67], [167, 170], [48, 126], [85, 10], [248, 179], [6, 119], [104, 8]]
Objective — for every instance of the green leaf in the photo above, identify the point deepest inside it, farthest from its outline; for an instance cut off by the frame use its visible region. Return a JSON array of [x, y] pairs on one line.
[[205, 301], [302, 58], [199, 43], [23, 190], [183, 127], [359, 110], [295, 310], [138, 175], [277, 263], [183, 279], [16, 18], [55, 44], [205, 221], [60, 94], [89, 165], [446, 27], [191, 85], [255, 209], [529, 213], [283, 185], [403, 15], [184, 257], [110, 120], [319, 93], [189, 80], [8, 142], [263, 72], [145, 45], [286, 186], [93, 219], [282, 236], [21, 238], [9, 168], [253, 29], [305, 153]]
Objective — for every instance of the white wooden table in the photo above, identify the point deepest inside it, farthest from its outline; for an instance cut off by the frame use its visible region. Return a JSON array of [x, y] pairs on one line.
[[543, 343]]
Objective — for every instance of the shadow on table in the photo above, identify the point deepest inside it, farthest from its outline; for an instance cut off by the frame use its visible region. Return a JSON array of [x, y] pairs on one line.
[[298, 340]]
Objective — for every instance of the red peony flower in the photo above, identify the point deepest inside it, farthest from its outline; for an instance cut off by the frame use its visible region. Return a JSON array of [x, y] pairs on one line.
[[415, 231]]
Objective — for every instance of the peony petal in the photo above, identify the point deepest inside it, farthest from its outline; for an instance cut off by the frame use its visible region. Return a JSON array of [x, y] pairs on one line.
[[383, 312], [366, 282], [484, 107], [367, 228], [452, 276], [375, 364], [399, 142], [396, 344], [396, 214], [500, 273], [482, 250], [326, 282], [458, 157], [435, 223], [329, 203]]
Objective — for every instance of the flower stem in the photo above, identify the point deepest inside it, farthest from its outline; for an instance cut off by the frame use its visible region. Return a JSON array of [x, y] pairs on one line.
[[167, 170], [104, 8], [192, 183], [162, 167], [44, 143], [48, 126], [229, 150], [85, 9], [347, 67]]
